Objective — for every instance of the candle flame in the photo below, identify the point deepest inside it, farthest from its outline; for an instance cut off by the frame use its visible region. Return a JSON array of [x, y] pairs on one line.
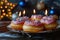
[[24, 12], [34, 11], [20, 13], [46, 12]]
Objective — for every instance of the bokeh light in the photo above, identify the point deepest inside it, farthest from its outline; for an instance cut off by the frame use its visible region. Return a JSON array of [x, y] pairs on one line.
[[3, 10], [22, 3], [2, 3], [51, 11], [7, 15], [1, 7], [4, 14], [5, 6], [9, 9], [8, 3], [1, 16]]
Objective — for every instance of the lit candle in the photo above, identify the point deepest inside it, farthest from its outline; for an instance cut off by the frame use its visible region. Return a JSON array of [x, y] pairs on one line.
[[46, 12], [24, 12], [34, 11], [19, 13]]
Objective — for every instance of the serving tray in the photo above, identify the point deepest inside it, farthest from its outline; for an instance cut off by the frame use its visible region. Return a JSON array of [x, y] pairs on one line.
[[29, 34]]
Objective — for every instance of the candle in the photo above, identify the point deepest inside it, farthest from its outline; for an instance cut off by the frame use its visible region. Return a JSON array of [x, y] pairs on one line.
[[34, 17], [24, 12], [34, 11], [20, 13], [46, 12]]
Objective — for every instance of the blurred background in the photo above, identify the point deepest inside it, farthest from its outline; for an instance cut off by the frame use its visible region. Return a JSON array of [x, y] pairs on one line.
[[9, 7]]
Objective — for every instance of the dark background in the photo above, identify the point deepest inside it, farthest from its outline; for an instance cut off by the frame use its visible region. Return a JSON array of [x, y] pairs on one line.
[[32, 5]]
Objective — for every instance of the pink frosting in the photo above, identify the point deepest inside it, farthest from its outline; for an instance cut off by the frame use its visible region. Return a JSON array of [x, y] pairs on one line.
[[20, 20], [37, 16], [33, 23], [47, 20], [25, 18]]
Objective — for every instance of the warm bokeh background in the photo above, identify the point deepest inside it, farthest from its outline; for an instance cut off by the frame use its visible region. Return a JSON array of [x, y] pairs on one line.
[[28, 5]]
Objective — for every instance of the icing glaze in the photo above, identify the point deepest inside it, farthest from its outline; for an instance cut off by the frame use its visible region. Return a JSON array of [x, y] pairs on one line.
[[20, 20], [33, 23], [47, 19], [36, 16]]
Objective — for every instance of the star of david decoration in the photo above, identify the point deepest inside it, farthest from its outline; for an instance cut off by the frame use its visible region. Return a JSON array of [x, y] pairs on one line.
[[6, 8]]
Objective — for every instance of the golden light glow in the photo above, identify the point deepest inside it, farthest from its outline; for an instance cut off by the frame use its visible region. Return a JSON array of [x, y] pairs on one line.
[[2, 3], [5, 6], [5, 0], [3, 10], [24, 12], [9, 9], [7, 15], [46, 12], [7, 3], [10, 15], [1, 16], [34, 11], [10, 4], [13, 5], [20, 13], [1, 7], [4, 14]]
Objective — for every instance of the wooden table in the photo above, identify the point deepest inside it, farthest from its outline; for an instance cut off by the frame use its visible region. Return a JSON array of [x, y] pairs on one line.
[[3, 25]]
